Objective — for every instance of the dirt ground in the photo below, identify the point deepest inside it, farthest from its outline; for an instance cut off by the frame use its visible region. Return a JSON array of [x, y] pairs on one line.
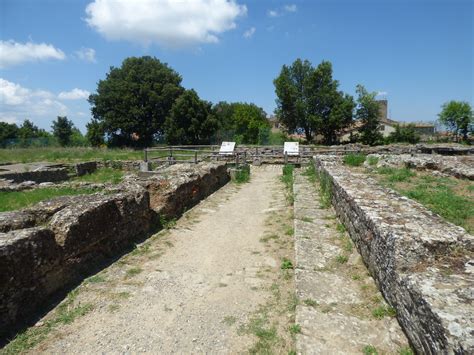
[[212, 283]]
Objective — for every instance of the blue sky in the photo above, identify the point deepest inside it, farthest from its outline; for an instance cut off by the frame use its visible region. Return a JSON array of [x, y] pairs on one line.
[[417, 53]]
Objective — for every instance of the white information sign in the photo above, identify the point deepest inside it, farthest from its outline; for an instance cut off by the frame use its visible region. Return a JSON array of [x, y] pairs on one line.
[[291, 148], [227, 148]]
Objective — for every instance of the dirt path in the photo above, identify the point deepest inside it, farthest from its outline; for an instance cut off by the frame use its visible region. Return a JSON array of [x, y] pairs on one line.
[[212, 283]]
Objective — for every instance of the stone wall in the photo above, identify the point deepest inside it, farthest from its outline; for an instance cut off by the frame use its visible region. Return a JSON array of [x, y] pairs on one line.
[[422, 264], [48, 247], [461, 167], [52, 175]]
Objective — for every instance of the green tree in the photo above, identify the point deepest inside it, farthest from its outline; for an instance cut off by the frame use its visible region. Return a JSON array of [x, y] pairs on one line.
[[224, 112], [405, 134], [7, 131], [95, 133], [292, 90], [457, 116], [248, 121], [63, 130], [191, 120], [78, 139], [28, 130], [367, 112], [308, 98], [134, 100]]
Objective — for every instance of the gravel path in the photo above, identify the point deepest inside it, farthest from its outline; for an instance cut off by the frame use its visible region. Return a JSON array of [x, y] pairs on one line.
[[190, 289]]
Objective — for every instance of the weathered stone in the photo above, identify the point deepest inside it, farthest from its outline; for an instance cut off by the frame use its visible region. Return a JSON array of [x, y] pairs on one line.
[[84, 230], [94, 218], [457, 166], [85, 168], [417, 259], [26, 256]]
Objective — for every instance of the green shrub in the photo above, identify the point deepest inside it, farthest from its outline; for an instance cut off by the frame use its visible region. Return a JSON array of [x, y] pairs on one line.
[[354, 159], [372, 161]]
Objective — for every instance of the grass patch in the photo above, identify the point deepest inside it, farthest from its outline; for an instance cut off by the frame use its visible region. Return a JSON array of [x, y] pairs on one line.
[[104, 175], [13, 200], [325, 195], [96, 279], [65, 313], [242, 174], [396, 175], [447, 196], [286, 264], [310, 302], [310, 172], [287, 179], [384, 311], [133, 271], [341, 259], [372, 161], [354, 159], [61, 154], [229, 320], [406, 351], [295, 329], [369, 350]]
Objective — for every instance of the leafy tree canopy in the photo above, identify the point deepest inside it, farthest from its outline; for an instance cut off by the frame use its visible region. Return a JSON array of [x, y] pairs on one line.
[[95, 133], [248, 121], [191, 120], [63, 130], [457, 116], [404, 134], [7, 131], [308, 98], [134, 100], [368, 113]]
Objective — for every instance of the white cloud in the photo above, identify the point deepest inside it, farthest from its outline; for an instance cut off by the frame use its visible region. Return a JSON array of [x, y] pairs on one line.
[[86, 54], [18, 103], [273, 13], [8, 119], [13, 53], [382, 93], [74, 94], [250, 32], [166, 22], [281, 11]]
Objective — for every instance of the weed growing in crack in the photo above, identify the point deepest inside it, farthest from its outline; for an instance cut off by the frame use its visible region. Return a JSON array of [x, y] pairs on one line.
[[384, 311], [95, 279], [341, 259], [406, 351], [286, 264], [287, 179], [295, 329], [133, 271], [369, 350], [310, 302], [325, 190], [229, 320]]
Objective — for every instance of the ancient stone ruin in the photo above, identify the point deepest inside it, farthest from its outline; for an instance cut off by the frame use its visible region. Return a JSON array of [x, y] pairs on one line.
[[422, 264]]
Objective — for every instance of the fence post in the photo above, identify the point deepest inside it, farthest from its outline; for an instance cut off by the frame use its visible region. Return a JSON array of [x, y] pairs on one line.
[[286, 157], [237, 159], [146, 155], [195, 157]]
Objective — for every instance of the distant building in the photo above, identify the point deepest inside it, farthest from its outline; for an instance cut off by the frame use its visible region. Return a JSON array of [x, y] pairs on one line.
[[387, 126]]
